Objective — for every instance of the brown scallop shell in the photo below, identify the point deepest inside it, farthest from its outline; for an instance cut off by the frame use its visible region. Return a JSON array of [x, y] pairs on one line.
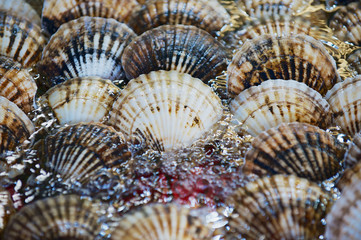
[[21, 9], [353, 154], [354, 61]]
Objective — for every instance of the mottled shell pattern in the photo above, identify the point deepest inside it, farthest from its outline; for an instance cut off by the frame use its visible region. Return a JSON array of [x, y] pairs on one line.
[[354, 61], [349, 176], [21, 9], [353, 154]]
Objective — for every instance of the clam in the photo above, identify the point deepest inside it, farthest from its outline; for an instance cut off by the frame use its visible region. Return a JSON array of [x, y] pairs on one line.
[[353, 154], [16, 84], [77, 100], [87, 46], [278, 207], [354, 60], [208, 15], [298, 57], [345, 101], [20, 40], [78, 151], [60, 217], [161, 222], [55, 12], [6, 208], [21, 9], [295, 148], [259, 108], [15, 126], [166, 109], [183, 48]]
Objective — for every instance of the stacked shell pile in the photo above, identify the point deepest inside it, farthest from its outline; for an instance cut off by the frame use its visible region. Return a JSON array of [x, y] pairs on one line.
[[115, 123]]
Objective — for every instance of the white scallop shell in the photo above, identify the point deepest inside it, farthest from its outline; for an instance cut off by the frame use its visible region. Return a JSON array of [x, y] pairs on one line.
[[21, 9]]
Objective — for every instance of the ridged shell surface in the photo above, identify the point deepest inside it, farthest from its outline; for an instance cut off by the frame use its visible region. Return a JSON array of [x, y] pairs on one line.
[[208, 15], [20, 39], [21, 9], [350, 175], [78, 151], [353, 154], [295, 148], [15, 126], [77, 100], [278, 207], [16, 84], [88, 46], [161, 222], [167, 109], [265, 106], [297, 57], [60, 217], [6, 208], [56, 12], [354, 60], [183, 48], [345, 101]]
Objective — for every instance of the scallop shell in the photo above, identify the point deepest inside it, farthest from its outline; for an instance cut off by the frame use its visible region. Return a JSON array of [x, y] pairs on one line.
[[78, 151], [88, 46], [295, 148], [354, 60], [166, 108], [55, 12], [278, 207], [16, 84], [6, 208], [61, 217], [353, 155], [15, 126], [344, 219], [208, 15], [81, 100], [20, 40], [345, 101], [183, 48], [349, 175], [161, 222], [346, 23], [21, 9], [297, 57], [265, 106]]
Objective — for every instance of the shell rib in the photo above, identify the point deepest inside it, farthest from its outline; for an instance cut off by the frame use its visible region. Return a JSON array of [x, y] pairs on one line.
[[295, 148], [297, 57], [208, 15], [165, 108], [20, 9], [353, 155], [183, 48], [88, 46], [265, 106], [278, 207], [81, 100]]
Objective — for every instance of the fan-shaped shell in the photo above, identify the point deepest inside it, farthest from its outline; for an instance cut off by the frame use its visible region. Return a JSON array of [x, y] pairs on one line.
[[21, 9], [161, 222], [297, 57], [278, 207], [81, 100], [78, 151], [183, 48], [16, 84], [345, 101], [166, 108], [15, 126], [6, 208], [88, 46], [55, 12], [265, 106], [60, 217], [354, 60], [353, 155], [20, 40], [208, 15], [295, 148]]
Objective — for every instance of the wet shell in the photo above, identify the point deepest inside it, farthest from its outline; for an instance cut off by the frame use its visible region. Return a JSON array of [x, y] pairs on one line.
[[349, 175], [278, 207], [297, 57], [344, 219], [16, 84], [208, 15], [346, 23], [354, 60], [353, 154], [20, 39], [15, 126], [77, 100], [183, 48], [21, 9], [295, 148], [78, 151], [88, 46], [265, 106], [61, 217], [6, 208], [345, 101], [56, 12], [165, 108], [161, 222]]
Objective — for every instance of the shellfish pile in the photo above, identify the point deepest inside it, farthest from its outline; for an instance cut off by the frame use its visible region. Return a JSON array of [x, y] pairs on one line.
[[180, 119]]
